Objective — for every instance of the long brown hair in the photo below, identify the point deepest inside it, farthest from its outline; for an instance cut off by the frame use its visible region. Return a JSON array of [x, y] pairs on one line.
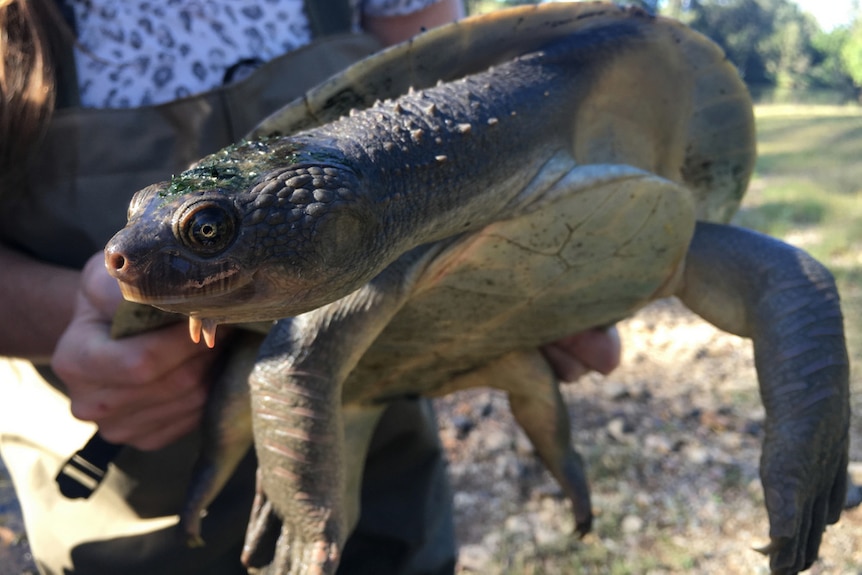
[[26, 83]]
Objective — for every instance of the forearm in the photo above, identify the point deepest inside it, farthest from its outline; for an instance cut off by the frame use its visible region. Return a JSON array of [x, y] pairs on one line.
[[36, 302], [394, 29]]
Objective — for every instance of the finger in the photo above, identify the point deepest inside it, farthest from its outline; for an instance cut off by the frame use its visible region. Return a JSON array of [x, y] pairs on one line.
[[165, 435], [595, 349], [150, 356], [157, 426], [598, 349], [102, 402]]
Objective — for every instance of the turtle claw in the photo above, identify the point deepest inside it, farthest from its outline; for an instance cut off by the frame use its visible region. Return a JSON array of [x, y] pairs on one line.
[[293, 557], [801, 510], [262, 534], [274, 547], [782, 551]]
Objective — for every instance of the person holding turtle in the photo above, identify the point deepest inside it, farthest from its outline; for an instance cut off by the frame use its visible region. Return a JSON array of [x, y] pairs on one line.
[[101, 98]]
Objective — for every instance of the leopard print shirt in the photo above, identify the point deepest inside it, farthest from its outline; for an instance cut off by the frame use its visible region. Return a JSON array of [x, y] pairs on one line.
[[141, 52]]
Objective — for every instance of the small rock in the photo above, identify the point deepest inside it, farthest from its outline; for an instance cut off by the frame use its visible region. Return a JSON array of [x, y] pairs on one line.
[[487, 409], [620, 430], [463, 426], [497, 440], [463, 499], [658, 444], [753, 428], [716, 420], [755, 488], [449, 438], [730, 441], [631, 524], [698, 455], [474, 558], [615, 390], [644, 499], [854, 495], [518, 525], [546, 534], [507, 467], [523, 446]]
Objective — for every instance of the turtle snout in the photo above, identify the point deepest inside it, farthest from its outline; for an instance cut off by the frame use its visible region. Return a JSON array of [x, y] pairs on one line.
[[118, 263], [128, 272]]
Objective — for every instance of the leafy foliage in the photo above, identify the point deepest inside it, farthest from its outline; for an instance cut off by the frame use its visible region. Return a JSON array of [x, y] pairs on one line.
[[775, 45], [851, 52]]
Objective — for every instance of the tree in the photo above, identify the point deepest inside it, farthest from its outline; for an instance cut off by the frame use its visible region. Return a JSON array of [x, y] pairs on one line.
[[851, 53], [739, 27], [828, 69], [769, 41]]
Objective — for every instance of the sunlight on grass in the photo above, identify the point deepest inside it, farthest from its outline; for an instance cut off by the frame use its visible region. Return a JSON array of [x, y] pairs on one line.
[[821, 148], [807, 191], [806, 111]]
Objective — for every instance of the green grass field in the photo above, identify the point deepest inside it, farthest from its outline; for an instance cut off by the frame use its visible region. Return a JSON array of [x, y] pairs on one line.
[[807, 190]]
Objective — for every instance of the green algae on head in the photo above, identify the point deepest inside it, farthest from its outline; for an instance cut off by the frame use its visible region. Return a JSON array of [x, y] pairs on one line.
[[235, 167]]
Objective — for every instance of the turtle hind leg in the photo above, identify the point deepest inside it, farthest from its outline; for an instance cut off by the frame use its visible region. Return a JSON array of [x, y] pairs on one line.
[[538, 407], [227, 433], [559, 457]]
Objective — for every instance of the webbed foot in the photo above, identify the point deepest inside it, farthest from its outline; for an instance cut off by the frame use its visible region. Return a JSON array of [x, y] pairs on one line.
[[787, 303], [802, 498], [275, 548]]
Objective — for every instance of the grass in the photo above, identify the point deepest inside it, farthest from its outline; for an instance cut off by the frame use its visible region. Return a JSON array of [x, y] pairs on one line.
[[807, 190]]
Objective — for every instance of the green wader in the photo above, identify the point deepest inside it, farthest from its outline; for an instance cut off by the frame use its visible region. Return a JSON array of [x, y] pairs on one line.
[[79, 188]]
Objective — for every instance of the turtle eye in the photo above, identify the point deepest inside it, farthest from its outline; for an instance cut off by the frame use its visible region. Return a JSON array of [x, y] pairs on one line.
[[207, 228]]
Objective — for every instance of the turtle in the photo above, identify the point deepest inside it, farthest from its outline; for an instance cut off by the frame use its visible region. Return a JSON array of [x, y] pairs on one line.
[[424, 221]]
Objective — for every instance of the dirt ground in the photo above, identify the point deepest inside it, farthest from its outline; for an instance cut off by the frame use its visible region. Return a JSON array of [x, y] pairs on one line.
[[672, 442], [671, 439]]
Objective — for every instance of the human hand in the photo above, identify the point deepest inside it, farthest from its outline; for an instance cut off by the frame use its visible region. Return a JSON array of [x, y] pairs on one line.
[[593, 350], [145, 391]]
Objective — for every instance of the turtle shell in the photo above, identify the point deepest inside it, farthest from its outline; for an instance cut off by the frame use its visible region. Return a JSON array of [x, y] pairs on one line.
[[716, 115]]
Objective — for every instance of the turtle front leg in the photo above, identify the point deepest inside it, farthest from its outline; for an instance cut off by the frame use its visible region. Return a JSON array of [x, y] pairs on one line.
[[298, 437], [309, 474], [266, 535], [786, 302]]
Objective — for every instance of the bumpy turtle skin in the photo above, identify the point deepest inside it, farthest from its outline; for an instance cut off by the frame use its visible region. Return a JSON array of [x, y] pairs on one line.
[[787, 303], [610, 100], [716, 162]]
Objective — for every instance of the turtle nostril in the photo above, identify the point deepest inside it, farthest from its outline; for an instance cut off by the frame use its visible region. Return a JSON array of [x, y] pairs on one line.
[[115, 262]]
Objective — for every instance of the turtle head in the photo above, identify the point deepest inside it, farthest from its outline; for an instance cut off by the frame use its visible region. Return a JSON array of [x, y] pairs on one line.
[[260, 231]]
